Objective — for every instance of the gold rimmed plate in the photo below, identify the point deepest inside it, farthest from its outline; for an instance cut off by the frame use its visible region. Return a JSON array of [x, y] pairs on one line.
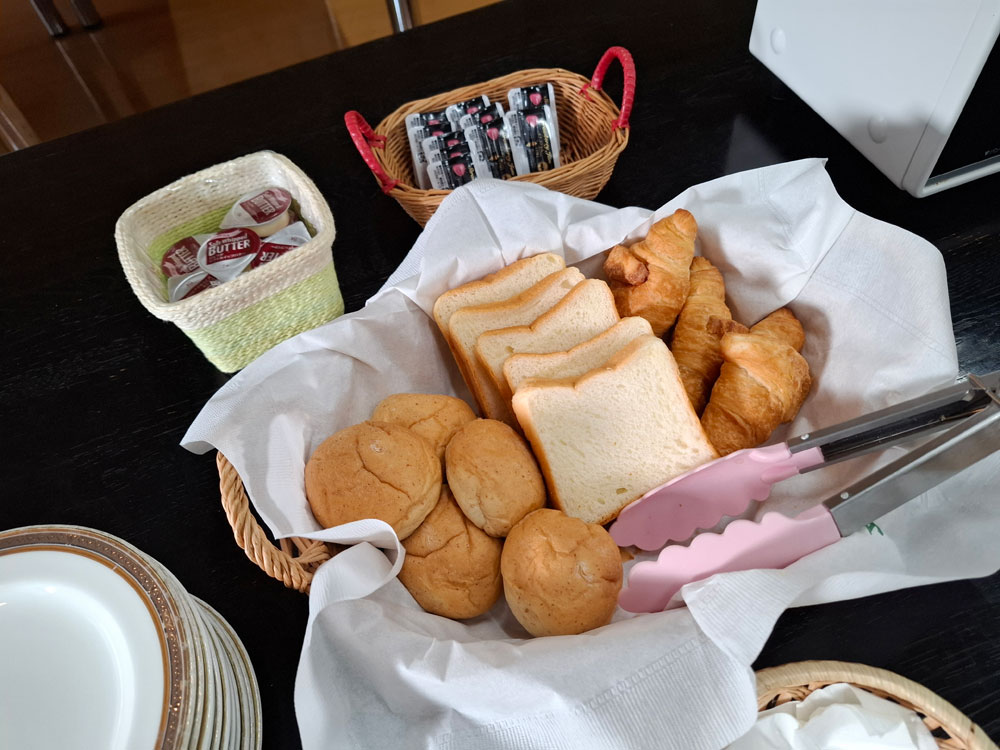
[[92, 636]]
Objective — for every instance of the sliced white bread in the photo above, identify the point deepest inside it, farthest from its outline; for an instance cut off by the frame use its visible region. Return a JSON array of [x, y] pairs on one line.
[[589, 309], [504, 284], [578, 360], [468, 323], [609, 436]]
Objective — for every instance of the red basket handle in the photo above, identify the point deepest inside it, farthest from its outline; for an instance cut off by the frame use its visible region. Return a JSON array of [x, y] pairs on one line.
[[364, 138], [628, 91]]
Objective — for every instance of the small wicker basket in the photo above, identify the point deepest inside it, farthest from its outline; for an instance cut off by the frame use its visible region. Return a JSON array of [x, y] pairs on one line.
[[952, 729], [592, 132], [237, 321]]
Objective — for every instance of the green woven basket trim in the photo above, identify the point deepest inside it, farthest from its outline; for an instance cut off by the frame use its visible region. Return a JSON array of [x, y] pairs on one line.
[[236, 341], [204, 224]]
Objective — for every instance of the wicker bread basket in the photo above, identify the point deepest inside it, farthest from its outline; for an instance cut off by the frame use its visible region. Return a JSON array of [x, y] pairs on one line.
[[237, 321], [294, 562], [791, 682], [592, 132]]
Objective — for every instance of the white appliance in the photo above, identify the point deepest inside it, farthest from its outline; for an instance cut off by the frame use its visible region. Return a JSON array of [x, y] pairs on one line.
[[914, 85]]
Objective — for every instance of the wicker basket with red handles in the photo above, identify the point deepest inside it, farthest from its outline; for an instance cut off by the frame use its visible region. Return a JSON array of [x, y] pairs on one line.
[[592, 133]]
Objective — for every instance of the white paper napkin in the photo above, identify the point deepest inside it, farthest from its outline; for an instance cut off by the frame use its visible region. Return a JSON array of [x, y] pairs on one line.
[[377, 671], [837, 717]]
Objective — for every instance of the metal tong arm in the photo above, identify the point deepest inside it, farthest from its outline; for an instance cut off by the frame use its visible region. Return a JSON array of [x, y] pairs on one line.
[[924, 467], [896, 424]]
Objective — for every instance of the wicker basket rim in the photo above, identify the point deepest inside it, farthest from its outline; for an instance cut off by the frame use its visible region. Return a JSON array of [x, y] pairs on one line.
[[819, 673]]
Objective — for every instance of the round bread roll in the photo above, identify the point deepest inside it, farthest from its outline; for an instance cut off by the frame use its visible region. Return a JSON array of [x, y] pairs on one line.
[[493, 475], [452, 568], [374, 470], [561, 576], [433, 416]]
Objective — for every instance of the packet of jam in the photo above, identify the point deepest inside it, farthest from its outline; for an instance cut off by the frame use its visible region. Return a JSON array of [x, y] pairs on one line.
[[182, 256], [457, 171], [535, 149], [419, 119], [439, 142], [417, 136], [447, 143], [189, 284], [293, 236], [494, 140], [225, 254], [469, 107], [443, 154], [536, 95], [482, 117], [447, 150]]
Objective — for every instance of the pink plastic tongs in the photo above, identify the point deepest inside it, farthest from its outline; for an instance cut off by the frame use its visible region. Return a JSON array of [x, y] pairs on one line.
[[699, 499]]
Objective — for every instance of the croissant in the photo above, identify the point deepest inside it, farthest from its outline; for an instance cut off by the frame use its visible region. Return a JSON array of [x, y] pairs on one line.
[[762, 383], [651, 278], [696, 346]]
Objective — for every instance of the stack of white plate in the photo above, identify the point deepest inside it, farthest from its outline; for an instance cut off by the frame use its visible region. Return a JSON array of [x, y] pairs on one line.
[[101, 647]]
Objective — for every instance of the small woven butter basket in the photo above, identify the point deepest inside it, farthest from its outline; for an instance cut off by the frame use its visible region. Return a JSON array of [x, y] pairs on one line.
[[952, 729], [593, 132], [233, 323]]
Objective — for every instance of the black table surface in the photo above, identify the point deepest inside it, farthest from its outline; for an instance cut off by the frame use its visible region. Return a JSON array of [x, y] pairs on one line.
[[96, 393]]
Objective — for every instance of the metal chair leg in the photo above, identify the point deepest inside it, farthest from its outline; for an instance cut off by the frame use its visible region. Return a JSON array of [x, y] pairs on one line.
[[399, 14], [87, 13], [50, 18]]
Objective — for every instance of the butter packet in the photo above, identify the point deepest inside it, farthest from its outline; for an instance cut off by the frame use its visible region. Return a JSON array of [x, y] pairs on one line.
[[226, 253], [264, 211], [189, 284], [293, 236], [182, 257]]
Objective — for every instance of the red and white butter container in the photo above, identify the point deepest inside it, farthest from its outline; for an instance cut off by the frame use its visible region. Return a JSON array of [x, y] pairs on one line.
[[182, 257], [265, 211], [190, 284], [293, 236], [225, 254]]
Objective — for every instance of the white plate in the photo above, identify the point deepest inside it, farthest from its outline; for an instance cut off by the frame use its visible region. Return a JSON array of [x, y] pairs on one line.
[[89, 643], [200, 693], [228, 710], [246, 680]]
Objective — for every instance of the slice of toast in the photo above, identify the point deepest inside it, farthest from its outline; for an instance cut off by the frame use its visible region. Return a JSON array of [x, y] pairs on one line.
[[589, 309], [578, 360], [507, 282], [609, 436], [468, 323]]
